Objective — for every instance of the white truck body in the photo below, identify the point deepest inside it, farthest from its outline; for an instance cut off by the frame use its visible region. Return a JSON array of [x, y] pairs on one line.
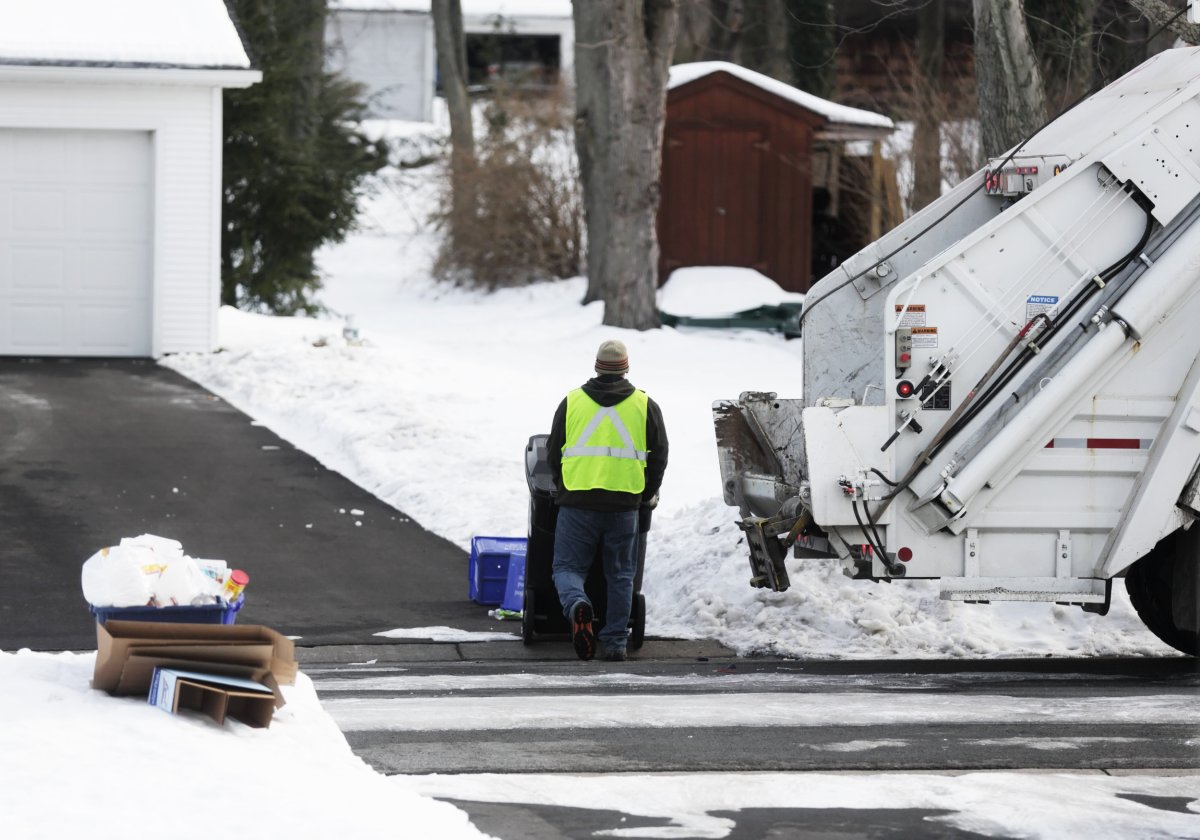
[[1006, 398]]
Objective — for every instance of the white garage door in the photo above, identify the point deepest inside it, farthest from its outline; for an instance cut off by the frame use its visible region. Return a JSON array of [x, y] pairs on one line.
[[76, 235]]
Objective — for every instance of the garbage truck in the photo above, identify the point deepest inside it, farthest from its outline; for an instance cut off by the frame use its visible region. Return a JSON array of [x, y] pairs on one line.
[[1003, 392]]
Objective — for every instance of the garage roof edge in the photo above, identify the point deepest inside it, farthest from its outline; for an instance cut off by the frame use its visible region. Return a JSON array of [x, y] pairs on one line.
[[123, 73]]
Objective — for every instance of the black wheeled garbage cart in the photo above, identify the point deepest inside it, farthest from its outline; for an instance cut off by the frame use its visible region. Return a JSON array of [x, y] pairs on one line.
[[543, 617]]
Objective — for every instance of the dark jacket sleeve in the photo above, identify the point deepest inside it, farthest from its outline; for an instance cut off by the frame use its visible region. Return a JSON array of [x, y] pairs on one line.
[[555, 443], [656, 442]]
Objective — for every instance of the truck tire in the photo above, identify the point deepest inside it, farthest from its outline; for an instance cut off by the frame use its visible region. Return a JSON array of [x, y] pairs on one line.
[[1163, 587]]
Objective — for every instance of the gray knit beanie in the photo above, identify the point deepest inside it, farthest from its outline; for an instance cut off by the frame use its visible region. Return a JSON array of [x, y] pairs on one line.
[[612, 357]]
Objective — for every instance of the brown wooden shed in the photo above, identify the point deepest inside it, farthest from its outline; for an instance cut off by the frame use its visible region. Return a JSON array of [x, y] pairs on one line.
[[741, 152]]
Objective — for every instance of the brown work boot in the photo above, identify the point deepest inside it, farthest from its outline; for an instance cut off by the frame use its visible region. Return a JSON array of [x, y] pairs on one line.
[[582, 634]]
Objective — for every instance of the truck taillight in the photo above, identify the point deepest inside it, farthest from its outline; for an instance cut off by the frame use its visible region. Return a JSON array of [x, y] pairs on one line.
[[904, 554]]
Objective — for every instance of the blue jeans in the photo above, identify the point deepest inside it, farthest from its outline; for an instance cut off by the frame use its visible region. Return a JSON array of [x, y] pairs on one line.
[[577, 537]]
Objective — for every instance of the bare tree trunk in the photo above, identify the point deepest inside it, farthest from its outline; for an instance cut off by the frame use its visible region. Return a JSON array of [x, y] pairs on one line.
[[695, 28], [725, 30], [452, 67], [764, 43], [927, 133], [1012, 99], [303, 119], [1062, 33], [749, 33], [622, 53], [1158, 13], [812, 45]]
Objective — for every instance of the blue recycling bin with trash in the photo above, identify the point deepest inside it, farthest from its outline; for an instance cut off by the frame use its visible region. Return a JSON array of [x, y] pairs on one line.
[[218, 613]]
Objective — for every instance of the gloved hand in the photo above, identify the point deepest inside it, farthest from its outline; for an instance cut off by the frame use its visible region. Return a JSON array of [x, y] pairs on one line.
[[650, 503]]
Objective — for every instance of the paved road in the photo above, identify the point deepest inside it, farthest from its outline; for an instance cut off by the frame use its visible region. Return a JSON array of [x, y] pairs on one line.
[[714, 713], [746, 715], [93, 451]]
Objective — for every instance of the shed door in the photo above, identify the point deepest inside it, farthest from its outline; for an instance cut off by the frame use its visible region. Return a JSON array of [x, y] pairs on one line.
[[76, 236], [713, 181]]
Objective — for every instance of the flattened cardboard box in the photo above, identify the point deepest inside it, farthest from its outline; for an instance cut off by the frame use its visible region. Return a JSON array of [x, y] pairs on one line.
[[235, 661], [128, 651], [217, 696]]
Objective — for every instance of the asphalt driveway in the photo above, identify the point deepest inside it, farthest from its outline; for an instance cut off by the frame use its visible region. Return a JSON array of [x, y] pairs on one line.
[[93, 451]]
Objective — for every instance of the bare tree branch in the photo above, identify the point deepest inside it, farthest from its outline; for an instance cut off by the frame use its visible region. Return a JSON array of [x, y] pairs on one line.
[[1161, 15]]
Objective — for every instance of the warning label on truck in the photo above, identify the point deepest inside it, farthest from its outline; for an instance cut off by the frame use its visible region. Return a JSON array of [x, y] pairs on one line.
[[914, 314], [925, 337], [1035, 305]]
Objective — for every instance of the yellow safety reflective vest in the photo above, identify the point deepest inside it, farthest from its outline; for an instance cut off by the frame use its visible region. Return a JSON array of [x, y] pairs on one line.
[[606, 447]]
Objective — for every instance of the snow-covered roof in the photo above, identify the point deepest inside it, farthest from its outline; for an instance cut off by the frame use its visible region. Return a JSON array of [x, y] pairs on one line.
[[159, 33], [470, 8], [682, 74]]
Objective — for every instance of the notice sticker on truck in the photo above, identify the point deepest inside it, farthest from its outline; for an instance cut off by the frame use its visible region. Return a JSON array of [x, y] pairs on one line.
[[914, 314], [924, 337], [1035, 305]]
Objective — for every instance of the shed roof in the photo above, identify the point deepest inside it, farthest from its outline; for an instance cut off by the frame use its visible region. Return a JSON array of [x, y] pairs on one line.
[[470, 8], [121, 33], [844, 115]]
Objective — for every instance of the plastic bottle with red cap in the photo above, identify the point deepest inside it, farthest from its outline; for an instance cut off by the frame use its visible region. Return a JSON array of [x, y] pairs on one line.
[[235, 585]]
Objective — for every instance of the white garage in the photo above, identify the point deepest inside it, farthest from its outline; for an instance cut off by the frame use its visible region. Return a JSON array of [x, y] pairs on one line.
[[110, 174]]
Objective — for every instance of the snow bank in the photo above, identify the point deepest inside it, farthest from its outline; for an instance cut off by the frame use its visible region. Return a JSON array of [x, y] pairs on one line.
[[79, 763], [715, 292]]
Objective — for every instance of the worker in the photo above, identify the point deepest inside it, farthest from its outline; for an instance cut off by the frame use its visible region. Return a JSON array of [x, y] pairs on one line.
[[607, 452]]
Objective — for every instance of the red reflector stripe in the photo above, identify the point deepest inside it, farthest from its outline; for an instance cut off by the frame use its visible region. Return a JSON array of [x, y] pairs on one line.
[[1114, 443], [1099, 443]]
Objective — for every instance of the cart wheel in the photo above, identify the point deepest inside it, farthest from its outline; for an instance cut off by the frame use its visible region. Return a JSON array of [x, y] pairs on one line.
[[527, 617], [637, 622]]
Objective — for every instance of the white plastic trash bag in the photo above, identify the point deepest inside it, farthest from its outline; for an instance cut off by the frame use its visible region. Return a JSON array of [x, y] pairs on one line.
[[183, 583], [118, 577], [163, 548], [147, 571]]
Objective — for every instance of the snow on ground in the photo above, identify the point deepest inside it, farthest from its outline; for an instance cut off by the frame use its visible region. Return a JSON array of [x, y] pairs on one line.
[[1037, 806], [446, 634], [432, 413], [78, 763], [718, 291]]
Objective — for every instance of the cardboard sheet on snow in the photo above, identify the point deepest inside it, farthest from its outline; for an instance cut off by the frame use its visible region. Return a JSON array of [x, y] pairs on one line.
[[128, 651], [246, 661]]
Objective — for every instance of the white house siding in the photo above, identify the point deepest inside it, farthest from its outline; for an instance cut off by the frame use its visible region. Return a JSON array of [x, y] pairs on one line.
[[184, 121], [388, 46], [392, 54]]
